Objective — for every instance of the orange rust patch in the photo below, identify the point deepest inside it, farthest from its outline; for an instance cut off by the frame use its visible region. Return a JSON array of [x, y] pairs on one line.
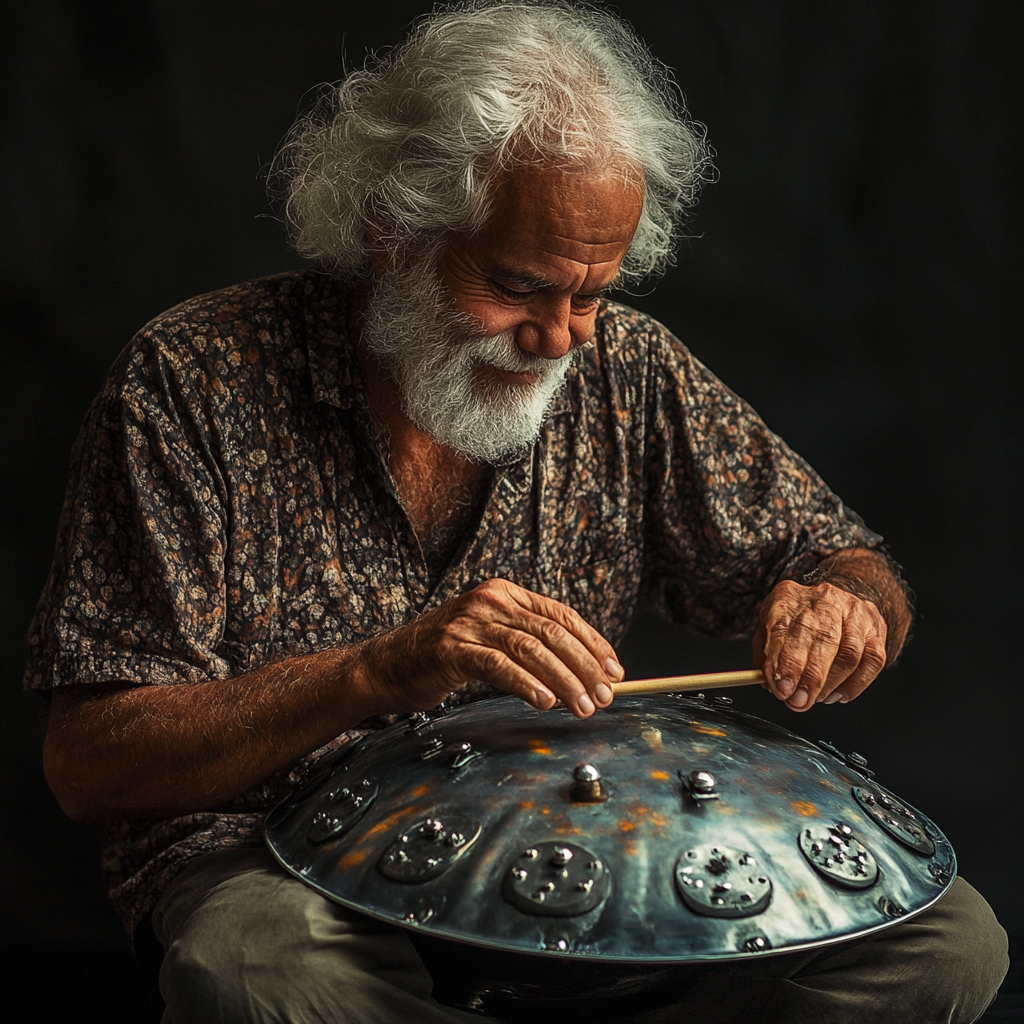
[[539, 747], [525, 805], [567, 829], [658, 820], [804, 808], [420, 791], [625, 825], [350, 860], [630, 848], [658, 774], [390, 821], [800, 894], [708, 731], [545, 810]]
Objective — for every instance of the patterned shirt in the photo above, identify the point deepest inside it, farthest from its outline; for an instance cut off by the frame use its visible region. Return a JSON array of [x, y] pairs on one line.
[[230, 504]]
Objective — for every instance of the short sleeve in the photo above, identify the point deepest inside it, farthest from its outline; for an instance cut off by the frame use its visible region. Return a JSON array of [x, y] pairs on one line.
[[732, 510], [136, 593]]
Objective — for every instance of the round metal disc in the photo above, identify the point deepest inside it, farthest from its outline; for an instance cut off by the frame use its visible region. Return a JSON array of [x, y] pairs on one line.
[[345, 806], [897, 819], [721, 882], [464, 795], [836, 854], [556, 880], [428, 849]]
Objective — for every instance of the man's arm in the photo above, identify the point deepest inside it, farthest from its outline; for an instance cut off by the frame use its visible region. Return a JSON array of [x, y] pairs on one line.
[[161, 751], [827, 638]]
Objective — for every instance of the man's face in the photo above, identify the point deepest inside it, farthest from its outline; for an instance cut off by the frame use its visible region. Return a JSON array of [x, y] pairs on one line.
[[479, 341], [553, 243]]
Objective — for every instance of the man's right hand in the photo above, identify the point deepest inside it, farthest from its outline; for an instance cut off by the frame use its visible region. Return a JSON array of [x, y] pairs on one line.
[[521, 642], [166, 750]]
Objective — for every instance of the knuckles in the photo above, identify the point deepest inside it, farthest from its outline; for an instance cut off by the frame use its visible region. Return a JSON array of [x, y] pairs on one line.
[[496, 631], [873, 656], [850, 654], [820, 629], [551, 633], [524, 647], [492, 595], [490, 662]]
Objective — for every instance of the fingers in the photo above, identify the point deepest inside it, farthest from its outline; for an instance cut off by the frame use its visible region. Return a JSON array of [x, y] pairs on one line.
[[578, 646], [871, 663], [521, 642], [819, 644]]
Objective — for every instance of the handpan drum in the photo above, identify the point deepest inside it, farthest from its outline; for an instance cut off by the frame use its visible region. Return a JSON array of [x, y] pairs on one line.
[[663, 830]]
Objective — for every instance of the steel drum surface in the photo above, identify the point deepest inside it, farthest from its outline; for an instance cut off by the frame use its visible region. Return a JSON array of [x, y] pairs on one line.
[[432, 828]]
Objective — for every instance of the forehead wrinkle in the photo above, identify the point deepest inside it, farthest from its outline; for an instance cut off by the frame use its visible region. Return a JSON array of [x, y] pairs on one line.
[[525, 279], [572, 275]]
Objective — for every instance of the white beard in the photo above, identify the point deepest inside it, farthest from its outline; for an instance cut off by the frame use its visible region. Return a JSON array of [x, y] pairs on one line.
[[435, 355]]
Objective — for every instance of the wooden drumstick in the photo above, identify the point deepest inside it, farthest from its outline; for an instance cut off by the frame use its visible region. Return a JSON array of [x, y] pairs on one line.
[[683, 684]]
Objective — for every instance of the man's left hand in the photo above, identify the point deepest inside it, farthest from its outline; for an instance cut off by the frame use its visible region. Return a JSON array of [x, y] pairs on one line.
[[818, 644]]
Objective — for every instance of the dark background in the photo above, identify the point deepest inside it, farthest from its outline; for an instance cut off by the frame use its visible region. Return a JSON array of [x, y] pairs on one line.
[[856, 275]]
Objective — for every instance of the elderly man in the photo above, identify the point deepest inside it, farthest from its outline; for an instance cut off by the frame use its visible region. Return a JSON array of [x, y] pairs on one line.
[[440, 464]]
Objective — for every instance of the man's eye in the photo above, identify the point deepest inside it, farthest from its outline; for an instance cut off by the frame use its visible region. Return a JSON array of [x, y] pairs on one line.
[[585, 303], [513, 294]]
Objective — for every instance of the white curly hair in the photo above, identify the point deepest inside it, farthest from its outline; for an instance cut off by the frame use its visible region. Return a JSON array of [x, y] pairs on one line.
[[414, 140]]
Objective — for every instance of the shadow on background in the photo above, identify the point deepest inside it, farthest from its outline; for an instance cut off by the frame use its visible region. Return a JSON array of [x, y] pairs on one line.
[[855, 275]]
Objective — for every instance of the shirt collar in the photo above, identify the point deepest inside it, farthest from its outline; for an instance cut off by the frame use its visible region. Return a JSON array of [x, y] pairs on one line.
[[334, 370]]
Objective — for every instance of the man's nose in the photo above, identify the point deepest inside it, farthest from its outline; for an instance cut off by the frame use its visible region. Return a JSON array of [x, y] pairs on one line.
[[550, 333]]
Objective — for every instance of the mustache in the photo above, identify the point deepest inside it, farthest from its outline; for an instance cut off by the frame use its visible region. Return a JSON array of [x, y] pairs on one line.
[[502, 352]]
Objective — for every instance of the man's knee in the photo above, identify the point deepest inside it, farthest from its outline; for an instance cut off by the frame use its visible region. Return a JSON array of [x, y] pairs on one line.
[[243, 941], [968, 947], [945, 963]]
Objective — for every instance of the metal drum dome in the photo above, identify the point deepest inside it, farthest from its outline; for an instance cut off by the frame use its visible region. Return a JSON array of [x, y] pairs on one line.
[[663, 830]]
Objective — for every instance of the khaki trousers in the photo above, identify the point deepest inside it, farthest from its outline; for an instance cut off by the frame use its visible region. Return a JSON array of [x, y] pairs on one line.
[[245, 942]]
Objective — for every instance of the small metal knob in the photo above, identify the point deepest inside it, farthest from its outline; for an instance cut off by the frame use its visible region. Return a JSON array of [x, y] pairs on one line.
[[434, 747], [561, 856], [702, 781], [587, 787], [432, 828], [418, 720]]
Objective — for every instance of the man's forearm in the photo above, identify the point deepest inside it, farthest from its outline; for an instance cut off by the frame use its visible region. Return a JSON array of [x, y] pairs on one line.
[[871, 576], [161, 751]]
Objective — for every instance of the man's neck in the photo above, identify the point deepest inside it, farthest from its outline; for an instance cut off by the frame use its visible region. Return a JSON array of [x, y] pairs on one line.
[[440, 489]]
